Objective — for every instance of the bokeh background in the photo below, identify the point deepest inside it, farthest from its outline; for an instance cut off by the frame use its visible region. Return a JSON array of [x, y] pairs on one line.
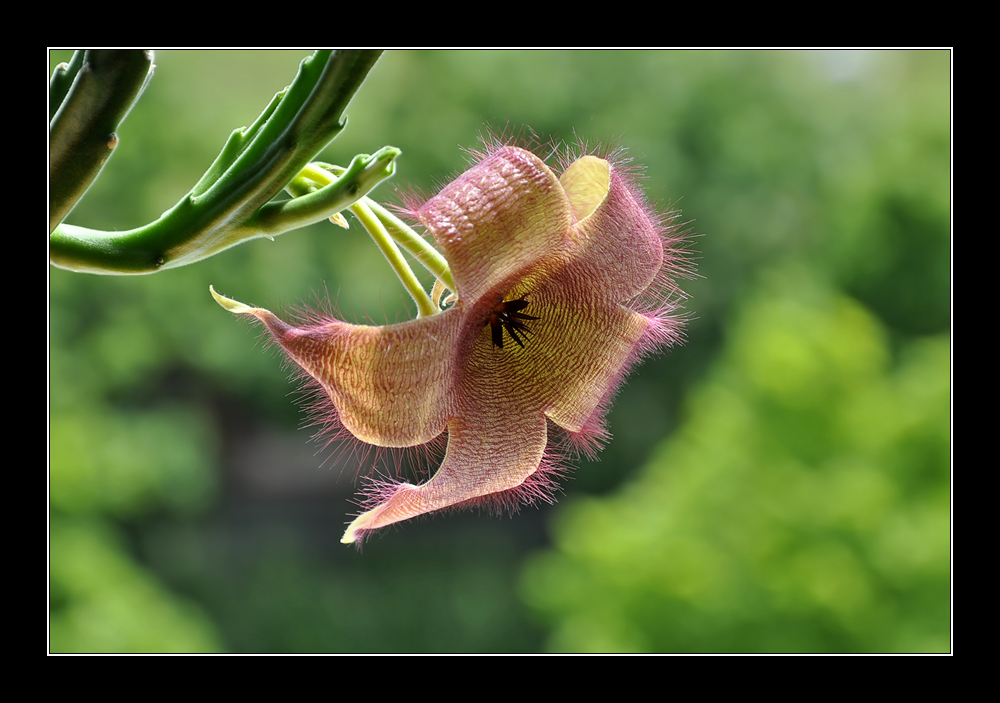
[[781, 483]]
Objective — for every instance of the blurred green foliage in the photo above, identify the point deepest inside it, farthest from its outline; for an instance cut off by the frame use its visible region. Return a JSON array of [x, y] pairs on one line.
[[102, 601], [780, 483], [802, 506]]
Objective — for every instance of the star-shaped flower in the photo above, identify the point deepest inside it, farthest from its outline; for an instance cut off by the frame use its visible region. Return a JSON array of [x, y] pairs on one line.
[[562, 283]]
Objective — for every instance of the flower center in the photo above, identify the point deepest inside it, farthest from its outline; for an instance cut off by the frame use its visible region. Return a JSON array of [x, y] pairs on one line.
[[507, 315]]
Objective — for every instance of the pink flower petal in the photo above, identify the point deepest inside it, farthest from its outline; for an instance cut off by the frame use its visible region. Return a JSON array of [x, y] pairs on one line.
[[574, 252]]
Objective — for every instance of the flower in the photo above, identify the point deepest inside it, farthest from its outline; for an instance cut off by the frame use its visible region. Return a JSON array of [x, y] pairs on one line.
[[562, 284]]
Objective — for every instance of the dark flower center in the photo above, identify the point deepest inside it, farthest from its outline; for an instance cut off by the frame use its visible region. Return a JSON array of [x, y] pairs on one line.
[[507, 315]]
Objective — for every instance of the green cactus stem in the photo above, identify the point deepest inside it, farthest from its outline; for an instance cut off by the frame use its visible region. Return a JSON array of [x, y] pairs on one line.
[[89, 98], [231, 203]]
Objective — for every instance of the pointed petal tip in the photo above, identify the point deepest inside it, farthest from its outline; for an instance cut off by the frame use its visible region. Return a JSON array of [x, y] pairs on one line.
[[350, 536], [233, 306], [275, 325], [355, 532], [393, 502]]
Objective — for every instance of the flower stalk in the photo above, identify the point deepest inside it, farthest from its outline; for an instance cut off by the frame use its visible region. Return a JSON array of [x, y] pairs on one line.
[[318, 174], [395, 258]]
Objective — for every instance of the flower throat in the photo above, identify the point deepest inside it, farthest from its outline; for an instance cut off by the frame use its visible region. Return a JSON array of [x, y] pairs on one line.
[[507, 315]]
